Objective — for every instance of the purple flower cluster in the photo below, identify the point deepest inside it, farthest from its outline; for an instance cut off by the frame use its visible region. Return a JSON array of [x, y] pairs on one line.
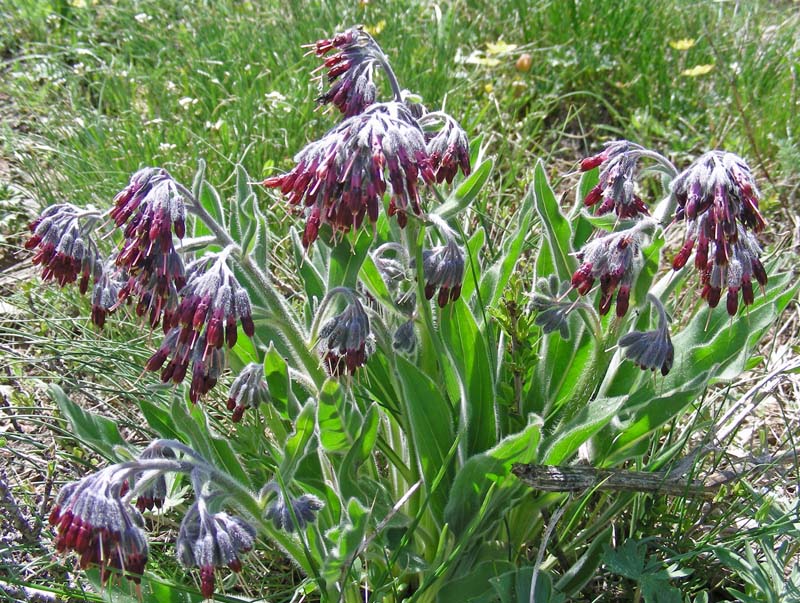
[[248, 390], [106, 293], [342, 177], [209, 540], [212, 301], [151, 208], [447, 144], [303, 509], [615, 259], [64, 248], [651, 350], [346, 339], [616, 189], [718, 199], [350, 70], [91, 518], [443, 269]]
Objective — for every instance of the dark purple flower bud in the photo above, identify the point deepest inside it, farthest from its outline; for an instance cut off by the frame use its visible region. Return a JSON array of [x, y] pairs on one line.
[[91, 518], [651, 350], [615, 259], [248, 390], [350, 70], [617, 184], [447, 143], [342, 177], [443, 269], [303, 510], [212, 540], [346, 340], [64, 246], [109, 281]]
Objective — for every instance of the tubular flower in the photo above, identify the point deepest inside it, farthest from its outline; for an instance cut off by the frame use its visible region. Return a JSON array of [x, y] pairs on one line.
[[405, 338], [651, 350], [553, 314], [342, 177], [211, 302], [350, 70], [718, 199], [443, 269], [303, 509], [152, 495], [107, 288], [448, 146], [91, 518], [248, 390], [617, 185], [151, 208], [615, 259], [346, 339], [64, 247], [210, 540]]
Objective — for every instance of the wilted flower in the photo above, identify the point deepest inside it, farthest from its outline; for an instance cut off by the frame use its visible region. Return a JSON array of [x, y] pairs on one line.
[[302, 509], [718, 199], [151, 208], [443, 269], [346, 339], [342, 177], [210, 540], [448, 146], [212, 301], [64, 247], [248, 390], [152, 495], [651, 349], [617, 185], [405, 338], [615, 259], [350, 70], [91, 519]]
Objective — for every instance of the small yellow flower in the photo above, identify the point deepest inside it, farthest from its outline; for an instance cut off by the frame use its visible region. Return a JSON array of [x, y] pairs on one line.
[[698, 70], [499, 47], [374, 30], [683, 44], [488, 88]]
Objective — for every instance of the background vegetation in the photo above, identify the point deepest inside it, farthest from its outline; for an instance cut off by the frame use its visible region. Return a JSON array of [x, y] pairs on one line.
[[92, 91]]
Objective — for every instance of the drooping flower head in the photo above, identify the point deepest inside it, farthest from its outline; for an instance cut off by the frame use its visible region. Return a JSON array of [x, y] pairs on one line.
[[342, 177], [248, 390], [151, 209], [405, 338], [443, 269], [105, 296], [614, 258], [212, 301], [651, 350], [718, 199], [209, 540], [350, 59], [346, 339], [548, 300], [293, 514], [91, 518], [64, 245], [616, 189], [154, 490], [447, 143]]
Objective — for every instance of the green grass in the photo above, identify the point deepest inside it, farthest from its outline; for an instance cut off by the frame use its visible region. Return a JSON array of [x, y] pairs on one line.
[[93, 91]]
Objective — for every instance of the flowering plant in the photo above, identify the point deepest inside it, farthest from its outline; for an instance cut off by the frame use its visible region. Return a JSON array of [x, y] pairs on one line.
[[390, 424]]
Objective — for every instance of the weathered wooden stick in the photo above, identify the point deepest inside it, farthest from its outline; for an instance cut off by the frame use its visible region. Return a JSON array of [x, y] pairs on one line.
[[577, 478]]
